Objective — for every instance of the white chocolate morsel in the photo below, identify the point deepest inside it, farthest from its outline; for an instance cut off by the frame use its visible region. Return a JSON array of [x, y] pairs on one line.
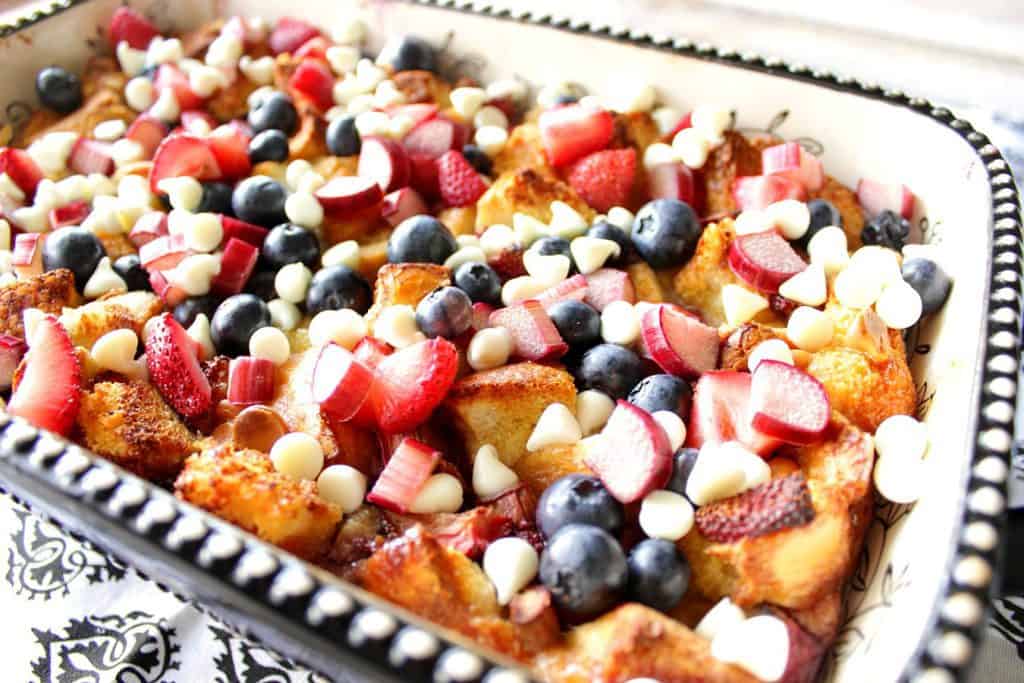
[[498, 238], [195, 273], [225, 51], [899, 306], [342, 254], [342, 58], [183, 192], [489, 348], [260, 70], [139, 93], [759, 644], [725, 614], [10, 189], [491, 139], [808, 287], [5, 238], [467, 101], [673, 426], [166, 107], [828, 249], [270, 343], [284, 315], [770, 349], [199, 332], [490, 475], [468, 254], [51, 151], [901, 436], [620, 323], [549, 269], [526, 229], [256, 96], [294, 172], [115, 351], [203, 232], [882, 261], [298, 456], [755, 469], [440, 493], [715, 475], [370, 123], [489, 115], [349, 30], [131, 61], [741, 305], [810, 329], [900, 479], [510, 88], [74, 188], [692, 146], [591, 253], [711, 120], [164, 51], [629, 94], [557, 426], [125, 152], [522, 288], [302, 208], [396, 325], [666, 515], [857, 286], [387, 95], [103, 280], [511, 564], [660, 153], [566, 221], [109, 130], [33, 218], [593, 408], [292, 281], [667, 118], [342, 485], [30, 320], [205, 80], [622, 217], [790, 216], [344, 327]]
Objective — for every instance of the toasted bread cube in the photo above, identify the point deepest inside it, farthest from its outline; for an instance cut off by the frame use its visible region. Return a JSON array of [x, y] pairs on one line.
[[866, 391], [541, 468], [528, 191], [732, 159], [423, 87], [699, 283], [645, 282], [50, 292], [405, 283], [460, 220], [845, 200], [523, 150], [129, 423], [737, 348], [501, 406], [117, 245], [103, 105], [635, 129], [131, 310]]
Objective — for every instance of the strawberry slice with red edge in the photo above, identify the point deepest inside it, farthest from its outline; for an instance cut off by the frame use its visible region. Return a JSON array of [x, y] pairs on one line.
[[290, 33], [313, 80], [47, 389], [149, 132], [782, 503], [404, 475], [230, 147], [758, 191], [183, 155], [236, 266], [607, 285], [605, 179], [876, 197], [572, 132], [764, 260], [347, 195], [12, 350], [164, 252], [534, 335], [410, 383], [459, 182], [170, 77], [148, 227], [433, 137], [401, 204], [721, 412], [340, 382], [131, 27], [251, 380], [174, 368], [91, 156], [69, 214], [679, 343], [633, 455], [21, 169], [788, 404]]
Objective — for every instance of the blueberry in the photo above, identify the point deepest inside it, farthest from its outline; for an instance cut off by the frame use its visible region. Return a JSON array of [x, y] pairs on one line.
[[274, 111], [887, 229], [259, 200], [235, 320], [74, 248], [662, 392], [609, 231], [554, 246], [445, 312], [270, 145], [342, 137], [682, 464], [928, 280], [188, 310], [823, 214], [578, 323], [131, 271], [578, 499], [611, 368], [666, 232], [421, 239], [290, 243], [59, 89], [480, 282], [336, 287], [216, 198], [478, 159], [584, 568], [261, 283], [566, 98], [658, 574], [409, 53]]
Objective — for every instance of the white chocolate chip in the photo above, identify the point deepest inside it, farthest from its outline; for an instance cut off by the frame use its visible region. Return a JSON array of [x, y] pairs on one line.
[[294, 172], [883, 262], [30, 320], [32, 218], [629, 95], [489, 348], [498, 238], [490, 475], [342, 254], [203, 232], [857, 286], [342, 58], [549, 269], [346, 90], [100, 185], [125, 152], [371, 123], [368, 74], [712, 121], [491, 139], [131, 61], [225, 51], [103, 280], [51, 151], [194, 273], [387, 95], [810, 329], [566, 221], [467, 240], [527, 229], [74, 188], [302, 208], [139, 93], [755, 470], [759, 644], [511, 564], [109, 130], [899, 307], [270, 343], [183, 192], [509, 88], [5, 241], [716, 474], [741, 305], [557, 426], [467, 101], [900, 479], [770, 349], [261, 70], [344, 327], [399, 125], [827, 248], [666, 515], [674, 427], [470, 254], [396, 325], [620, 323], [752, 221], [166, 107], [9, 189], [489, 115], [440, 493], [901, 436], [808, 287], [591, 253], [693, 147], [292, 281], [47, 196], [199, 332], [115, 351], [724, 615], [521, 288], [164, 51], [621, 217], [298, 456], [284, 315], [348, 30], [205, 80], [593, 408], [342, 485], [667, 118], [790, 216], [660, 153]]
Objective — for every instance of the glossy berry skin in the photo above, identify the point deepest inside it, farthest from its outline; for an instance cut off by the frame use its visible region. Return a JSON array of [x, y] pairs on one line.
[[658, 574], [663, 392], [59, 89], [480, 282], [337, 287], [74, 248], [887, 229], [445, 312], [274, 111], [131, 271], [578, 323], [235, 320], [216, 198], [259, 200], [261, 283], [290, 243], [554, 246], [609, 231], [578, 499], [823, 214], [478, 159], [928, 280], [566, 98], [421, 239], [611, 368], [188, 310], [409, 53], [584, 568], [665, 232], [342, 137], [682, 464], [270, 145]]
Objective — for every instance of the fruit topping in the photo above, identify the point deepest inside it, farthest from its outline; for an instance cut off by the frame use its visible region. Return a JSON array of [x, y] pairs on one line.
[[77, 249], [577, 323], [401, 204], [21, 169], [604, 179], [346, 195], [269, 145], [434, 137], [584, 568], [169, 77], [408, 53], [274, 111], [27, 254], [91, 156], [758, 192], [289, 34], [337, 287], [572, 132], [50, 378], [129, 26], [662, 392], [929, 281], [230, 147], [233, 228], [876, 197], [59, 89], [385, 162], [658, 574], [174, 368], [632, 456], [680, 344], [480, 282], [534, 335], [782, 503], [409, 384], [72, 213], [578, 499], [234, 322], [721, 412], [251, 380], [340, 382], [12, 350], [460, 184], [607, 285], [887, 229], [404, 475], [445, 312], [183, 155], [314, 80], [665, 232], [787, 403], [673, 180], [148, 131], [790, 160], [236, 265], [764, 260]]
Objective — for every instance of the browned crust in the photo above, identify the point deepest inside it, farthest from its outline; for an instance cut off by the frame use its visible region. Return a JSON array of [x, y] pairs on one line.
[[738, 346], [420, 87], [845, 200], [49, 292], [732, 159], [129, 310], [405, 283], [528, 191]]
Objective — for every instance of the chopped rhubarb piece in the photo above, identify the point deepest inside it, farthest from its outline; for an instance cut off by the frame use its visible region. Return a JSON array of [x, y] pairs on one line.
[[607, 285], [340, 382], [574, 131], [404, 475], [505, 104], [247, 232], [314, 48], [419, 112], [131, 27], [163, 252], [21, 169], [174, 368], [574, 288], [313, 80], [170, 77], [402, 204], [790, 160], [534, 336], [197, 122], [27, 254], [721, 412], [170, 293], [346, 195], [236, 265], [251, 380], [385, 162], [181, 155], [47, 392], [423, 175], [69, 214], [757, 192], [289, 34], [250, 31], [633, 456], [459, 182], [91, 156], [782, 503], [148, 227], [409, 384], [764, 260], [876, 197], [678, 343], [230, 147], [788, 404], [11, 351], [149, 132], [481, 316], [433, 137], [605, 179], [671, 181]]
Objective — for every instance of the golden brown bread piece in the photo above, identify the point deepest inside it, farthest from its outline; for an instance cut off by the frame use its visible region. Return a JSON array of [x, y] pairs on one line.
[[863, 390], [243, 488], [522, 150], [699, 283], [635, 129], [539, 469], [645, 282], [845, 200], [129, 423], [732, 159], [738, 346], [49, 292], [129, 310], [501, 406], [231, 102], [105, 104], [405, 283], [117, 245], [460, 220], [528, 191], [309, 141], [422, 87]]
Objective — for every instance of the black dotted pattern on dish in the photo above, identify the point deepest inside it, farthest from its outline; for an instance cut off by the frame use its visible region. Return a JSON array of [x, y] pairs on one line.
[[370, 629]]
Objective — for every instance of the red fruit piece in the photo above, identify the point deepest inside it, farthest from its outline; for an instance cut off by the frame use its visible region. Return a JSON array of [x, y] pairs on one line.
[[149, 132], [289, 34], [12, 350], [402, 204], [508, 263], [21, 169], [680, 344], [197, 122], [423, 175], [721, 412], [314, 48], [607, 285], [131, 27], [469, 532], [671, 181], [242, 29], [236, 265], [247, 232], [876, 197], [91, 156], [574, 131], [534, 336], [230, 147], [481, 316], [417, 112], [404, 475], [163, 252], [684, 123], [148, 227], [775, 505], [251, 380], [370, 351], [460, 184], [788, 404], [605, 179], [313, 80], [758, 191], [181, 155], [633, 456], [47, 393], [340, 382], [432, 138], [385, 162], [790, 160], [764, 260], [574, 288], [174, 368], [171, 77], [69, 214], [27, 254], [346, 195], [410, 383], [170, 294]]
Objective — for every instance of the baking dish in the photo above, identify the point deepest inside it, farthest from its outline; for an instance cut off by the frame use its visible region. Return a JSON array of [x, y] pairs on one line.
[[917, 599]]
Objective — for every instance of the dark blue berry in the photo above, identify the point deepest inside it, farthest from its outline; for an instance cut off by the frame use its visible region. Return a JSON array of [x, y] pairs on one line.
[[823, 214], [421, 239], [342, 137], [216, 198], [928, 280], [274, 111], [610, 368], [261, 283], [566, 98], [578, 323], [478, 159], [578, 499], [188, 310], [887, 229], [59, 89], [235, 320], [480, 282], [337, 287], [259, 200], [584, 568], [682, 464], [409, 53], [74, 248], [270, 145], [290, 243], [658, 574], [663, 392], [135, 277], [445, 312], [665, 232], [555, 246], [609, 231]]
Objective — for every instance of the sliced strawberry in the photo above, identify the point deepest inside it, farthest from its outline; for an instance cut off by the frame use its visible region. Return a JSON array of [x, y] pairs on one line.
[[764, 260], [346, 195], [170, 77], [685, 122], [289, 34], [131, 27], [230, 147], [534, 336], [197, 122], [469, 532], [183, 155], [678, 343], [27, 254], [432, 138], [370, 351], [671, 181], [574, 288], [782, 503], [508, 263], [607, 285], [460, 183], [313, 80], [236, 265], [633, 455], [21, 169], [788, 404], [149, 132], [251, 380], [12, 349], [148, 227], [47, 391], [876, 197], [605, 179], [340, 382], [314, 48], [91, 156], [247, 232], [69, 214], [402, 204], [163, 252], [409, 384], [757, 192], [790, 160], [481, 316], [403, 477], [169, 293], [385, 162], [721, 412], [417, 112], [174, 368], [574, 131], [423, 175]]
